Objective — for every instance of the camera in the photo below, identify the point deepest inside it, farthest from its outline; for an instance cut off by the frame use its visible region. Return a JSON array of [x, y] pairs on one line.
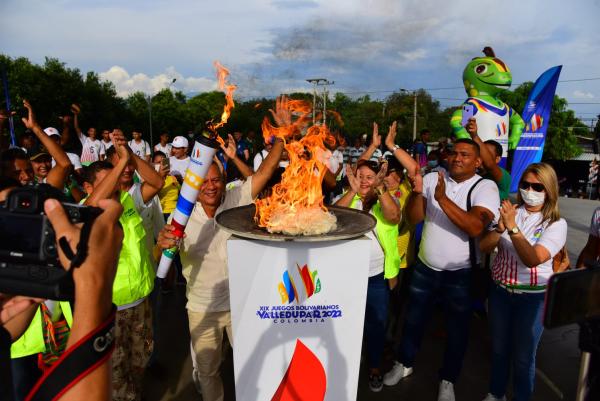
[[29, 263]]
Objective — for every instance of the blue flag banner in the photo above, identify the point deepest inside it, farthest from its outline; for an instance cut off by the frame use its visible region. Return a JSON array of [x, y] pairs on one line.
[[11, 127], [536, 116]]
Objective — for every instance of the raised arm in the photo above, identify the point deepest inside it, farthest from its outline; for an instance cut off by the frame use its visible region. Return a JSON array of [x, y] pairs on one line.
[[347, 198], [374, 145], [400, 154], [267, 167], [105, 188], [231, 153], [58, 174], [416, 206], [75, 109], [488, 159], [389, 207]]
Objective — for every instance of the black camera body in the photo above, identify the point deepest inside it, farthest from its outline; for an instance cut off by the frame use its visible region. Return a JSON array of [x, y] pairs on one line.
[[29, 263]]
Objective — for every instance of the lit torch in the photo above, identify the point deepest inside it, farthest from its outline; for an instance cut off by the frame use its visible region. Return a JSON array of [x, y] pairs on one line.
[[200, 160]]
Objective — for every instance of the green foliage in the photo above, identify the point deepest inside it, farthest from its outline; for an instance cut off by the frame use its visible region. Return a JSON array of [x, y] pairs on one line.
[[561, 143], [52, 87]]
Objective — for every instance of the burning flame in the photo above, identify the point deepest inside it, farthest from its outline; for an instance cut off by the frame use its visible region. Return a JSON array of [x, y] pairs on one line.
[[298, 198], [222, 74]]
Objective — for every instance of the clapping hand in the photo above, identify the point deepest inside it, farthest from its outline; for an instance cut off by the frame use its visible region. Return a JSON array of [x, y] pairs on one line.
[[508, 213], [376, 140], [390, 139], [231, 148], [29, 122], [440, 188]]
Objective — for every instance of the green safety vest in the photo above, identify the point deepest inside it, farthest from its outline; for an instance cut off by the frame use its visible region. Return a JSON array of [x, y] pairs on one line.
[[134, 279], [388, 239], [32, 341], [135, 274]]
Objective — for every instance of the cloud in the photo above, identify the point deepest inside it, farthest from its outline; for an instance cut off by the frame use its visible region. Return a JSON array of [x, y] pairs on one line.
[[583, 95], [127, 84], [294, 4]]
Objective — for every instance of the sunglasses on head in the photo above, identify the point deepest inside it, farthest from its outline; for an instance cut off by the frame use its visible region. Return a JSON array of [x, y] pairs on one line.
[[536, 186]]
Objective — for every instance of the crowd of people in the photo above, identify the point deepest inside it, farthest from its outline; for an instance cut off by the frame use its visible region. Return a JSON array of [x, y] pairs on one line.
[[447, 233]]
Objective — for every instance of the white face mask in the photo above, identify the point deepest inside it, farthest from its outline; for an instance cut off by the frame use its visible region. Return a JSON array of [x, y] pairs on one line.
[[532, 198]]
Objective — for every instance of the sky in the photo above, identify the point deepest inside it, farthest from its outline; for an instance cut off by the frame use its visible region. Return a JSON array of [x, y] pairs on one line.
[[370, 47]]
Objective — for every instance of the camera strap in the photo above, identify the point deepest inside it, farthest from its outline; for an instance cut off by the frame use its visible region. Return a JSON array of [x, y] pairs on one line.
[[77, 362], [82, 247]]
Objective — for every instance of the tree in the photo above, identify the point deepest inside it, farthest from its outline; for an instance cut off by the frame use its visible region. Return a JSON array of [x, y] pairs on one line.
[[561, 143]]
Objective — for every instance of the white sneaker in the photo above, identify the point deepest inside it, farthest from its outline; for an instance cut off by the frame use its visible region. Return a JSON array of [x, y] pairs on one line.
[[490, 397], [446, 392], [398, 372]]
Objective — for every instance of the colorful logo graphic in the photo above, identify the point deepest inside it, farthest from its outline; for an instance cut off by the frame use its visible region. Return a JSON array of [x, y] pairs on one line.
[[535, 123], [500, 129], [196, 152], [537, 233], [298, 284], [305, 378]]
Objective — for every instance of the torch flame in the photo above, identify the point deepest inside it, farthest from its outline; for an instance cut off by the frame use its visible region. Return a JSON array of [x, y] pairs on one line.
[[222, 74], [296, 203]]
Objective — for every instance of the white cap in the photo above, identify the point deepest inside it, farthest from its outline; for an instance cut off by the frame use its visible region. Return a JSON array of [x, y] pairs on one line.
[[180, 142], [51, 131]]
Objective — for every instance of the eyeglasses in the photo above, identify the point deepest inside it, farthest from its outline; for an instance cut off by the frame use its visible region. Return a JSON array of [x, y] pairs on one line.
[[536, 186]]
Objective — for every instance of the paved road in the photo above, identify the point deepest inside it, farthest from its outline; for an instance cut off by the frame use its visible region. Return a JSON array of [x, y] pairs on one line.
[[557, 360]]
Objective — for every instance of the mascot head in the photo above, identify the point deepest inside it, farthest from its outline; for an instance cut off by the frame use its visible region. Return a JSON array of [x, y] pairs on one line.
[[486, 75]]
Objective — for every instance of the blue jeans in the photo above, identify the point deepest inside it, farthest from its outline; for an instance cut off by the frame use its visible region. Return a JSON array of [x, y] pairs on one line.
[[375, 318], [452, 288], [516, 328]]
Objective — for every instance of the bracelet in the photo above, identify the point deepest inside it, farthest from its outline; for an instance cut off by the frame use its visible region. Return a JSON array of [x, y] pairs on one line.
[[395, 148], [379, 191]]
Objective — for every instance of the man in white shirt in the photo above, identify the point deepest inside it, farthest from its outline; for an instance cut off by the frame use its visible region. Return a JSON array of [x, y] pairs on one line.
[[75, 160], [92, 149], [203, 254], [106, 141], [139, 147], [445, 258], [179, 160], [260, 156], [164, 145]]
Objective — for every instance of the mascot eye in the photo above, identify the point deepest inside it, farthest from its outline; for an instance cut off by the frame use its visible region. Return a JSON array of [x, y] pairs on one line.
[[480, 69]]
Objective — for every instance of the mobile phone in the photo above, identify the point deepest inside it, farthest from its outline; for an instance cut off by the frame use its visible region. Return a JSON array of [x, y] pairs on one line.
[[572, 297], [468, 111], [165, 162]]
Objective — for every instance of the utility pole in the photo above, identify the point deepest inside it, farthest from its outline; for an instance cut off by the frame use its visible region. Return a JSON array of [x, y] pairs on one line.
[[149, 101], [414, 94], [415, 116], [320, 82]]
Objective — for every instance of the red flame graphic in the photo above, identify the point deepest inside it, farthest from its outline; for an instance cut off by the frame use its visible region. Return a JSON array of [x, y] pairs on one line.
[[305, 378]]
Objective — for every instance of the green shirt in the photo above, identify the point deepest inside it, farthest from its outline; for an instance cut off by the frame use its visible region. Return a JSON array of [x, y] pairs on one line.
[[503, 184]]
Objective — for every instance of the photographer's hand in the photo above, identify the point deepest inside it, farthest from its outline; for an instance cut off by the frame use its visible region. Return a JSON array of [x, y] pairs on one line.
[[93, 284]]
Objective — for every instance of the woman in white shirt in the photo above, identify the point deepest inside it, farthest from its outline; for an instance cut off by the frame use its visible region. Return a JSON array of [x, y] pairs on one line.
[[527, 235]]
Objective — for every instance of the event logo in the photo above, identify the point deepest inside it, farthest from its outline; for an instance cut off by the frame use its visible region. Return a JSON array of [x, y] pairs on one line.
[[304, 379], [535, 123], [298, 284]]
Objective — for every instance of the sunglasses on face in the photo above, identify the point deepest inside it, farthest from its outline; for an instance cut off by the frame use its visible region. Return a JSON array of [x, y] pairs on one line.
[[536, 186]]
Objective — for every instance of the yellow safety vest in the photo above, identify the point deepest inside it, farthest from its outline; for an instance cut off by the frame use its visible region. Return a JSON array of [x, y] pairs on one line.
[[32, 341], [388, 239], [135, 274]]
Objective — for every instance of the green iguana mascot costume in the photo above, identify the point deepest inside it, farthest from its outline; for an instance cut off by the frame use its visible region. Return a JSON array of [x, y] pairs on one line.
[[484, 78]]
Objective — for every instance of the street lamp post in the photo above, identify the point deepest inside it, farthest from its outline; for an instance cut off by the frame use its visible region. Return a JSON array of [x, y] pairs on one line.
[[414, 93], [149, 101]]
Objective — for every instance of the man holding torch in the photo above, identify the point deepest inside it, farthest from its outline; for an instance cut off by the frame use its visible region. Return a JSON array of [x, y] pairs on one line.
[[203, 252]]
